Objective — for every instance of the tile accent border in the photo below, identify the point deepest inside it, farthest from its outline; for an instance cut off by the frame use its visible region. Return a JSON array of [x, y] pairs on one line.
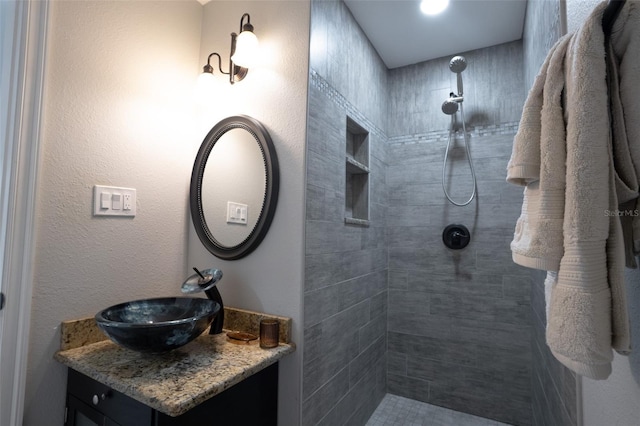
[[476, 131], [316, 81]]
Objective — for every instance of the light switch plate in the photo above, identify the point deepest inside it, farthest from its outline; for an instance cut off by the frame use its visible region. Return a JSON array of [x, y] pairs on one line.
[[237, 213], [127, 198]]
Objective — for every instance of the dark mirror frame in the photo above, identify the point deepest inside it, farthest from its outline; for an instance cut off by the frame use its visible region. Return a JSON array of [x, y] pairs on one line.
[[262, 138]]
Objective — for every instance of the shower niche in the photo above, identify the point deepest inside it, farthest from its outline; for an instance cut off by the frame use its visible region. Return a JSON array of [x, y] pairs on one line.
[[357, 175]]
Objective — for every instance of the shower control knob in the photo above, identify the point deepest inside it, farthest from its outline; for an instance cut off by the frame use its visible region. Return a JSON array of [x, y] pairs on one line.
[[456, 237]]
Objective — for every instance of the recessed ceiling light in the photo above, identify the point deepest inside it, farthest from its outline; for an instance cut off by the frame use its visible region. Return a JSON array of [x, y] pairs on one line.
[[433, 7]]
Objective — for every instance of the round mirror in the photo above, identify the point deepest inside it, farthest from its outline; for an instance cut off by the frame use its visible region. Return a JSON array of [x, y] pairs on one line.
[[234, 187]]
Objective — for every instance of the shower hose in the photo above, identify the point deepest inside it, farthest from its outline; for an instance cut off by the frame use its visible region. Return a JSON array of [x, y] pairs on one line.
[[446, 156]]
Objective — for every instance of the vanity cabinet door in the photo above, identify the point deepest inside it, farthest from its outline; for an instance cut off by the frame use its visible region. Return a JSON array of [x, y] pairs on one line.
[[80, 414], [102, 405]]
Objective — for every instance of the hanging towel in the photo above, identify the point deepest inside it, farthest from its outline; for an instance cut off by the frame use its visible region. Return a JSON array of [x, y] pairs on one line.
[[623, 68], [538, 161], [566, 226]]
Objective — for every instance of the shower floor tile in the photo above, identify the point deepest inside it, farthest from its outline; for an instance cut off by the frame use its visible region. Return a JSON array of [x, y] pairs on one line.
[[398, 411]]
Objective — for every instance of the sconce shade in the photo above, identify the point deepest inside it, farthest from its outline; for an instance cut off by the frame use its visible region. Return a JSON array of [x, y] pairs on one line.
[[247, 47], [205, 87]]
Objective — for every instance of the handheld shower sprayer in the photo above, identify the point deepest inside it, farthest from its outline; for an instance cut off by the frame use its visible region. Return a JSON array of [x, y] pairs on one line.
[[457, 65], [450, 107]]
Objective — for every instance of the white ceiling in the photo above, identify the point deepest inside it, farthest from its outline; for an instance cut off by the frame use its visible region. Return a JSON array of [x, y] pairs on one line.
[[403, 35]]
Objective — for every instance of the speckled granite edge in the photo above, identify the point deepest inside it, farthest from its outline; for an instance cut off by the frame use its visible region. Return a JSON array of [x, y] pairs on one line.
[[84, 331], [177, 381]]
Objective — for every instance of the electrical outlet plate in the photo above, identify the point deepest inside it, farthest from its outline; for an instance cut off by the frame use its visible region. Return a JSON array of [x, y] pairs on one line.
[[114, 201]]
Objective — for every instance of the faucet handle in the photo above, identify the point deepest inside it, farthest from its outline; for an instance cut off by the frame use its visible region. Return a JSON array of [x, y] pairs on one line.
[[201, 280]]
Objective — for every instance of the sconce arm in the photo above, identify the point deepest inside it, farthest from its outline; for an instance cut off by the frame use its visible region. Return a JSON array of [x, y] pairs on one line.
[[219, 62], [246, 15]]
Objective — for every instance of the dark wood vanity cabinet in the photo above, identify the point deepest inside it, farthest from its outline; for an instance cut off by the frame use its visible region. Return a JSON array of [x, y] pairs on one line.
[[252, 402]]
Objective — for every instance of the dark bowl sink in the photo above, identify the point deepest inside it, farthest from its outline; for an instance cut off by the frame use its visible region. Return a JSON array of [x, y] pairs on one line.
[[157, 325]]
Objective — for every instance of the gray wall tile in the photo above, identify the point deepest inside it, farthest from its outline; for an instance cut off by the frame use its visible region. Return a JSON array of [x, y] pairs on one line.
[[409, 387], [329, 346], [396, 363], [554, 396], [324, 399], [480, 308], [329, 268], [459, 321], [346, 266], [367, 359], [375, 329], [353, 409], [438, 349], [493, 82]]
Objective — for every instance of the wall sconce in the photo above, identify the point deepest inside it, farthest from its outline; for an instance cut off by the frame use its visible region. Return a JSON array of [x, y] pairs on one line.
[[244, 48]]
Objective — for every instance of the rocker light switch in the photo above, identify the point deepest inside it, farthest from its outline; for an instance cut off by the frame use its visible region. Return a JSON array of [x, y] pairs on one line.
[[105, 200]]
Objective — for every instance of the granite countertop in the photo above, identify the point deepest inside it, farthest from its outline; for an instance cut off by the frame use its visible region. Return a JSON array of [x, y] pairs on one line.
[[177, 381]]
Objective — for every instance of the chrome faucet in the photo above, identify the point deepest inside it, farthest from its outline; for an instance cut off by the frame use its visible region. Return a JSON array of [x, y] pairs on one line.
[[206, 281]]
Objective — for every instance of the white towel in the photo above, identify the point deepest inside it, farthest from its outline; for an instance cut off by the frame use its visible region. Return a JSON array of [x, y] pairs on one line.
[[538, 161], [564, 227], [624, 64]]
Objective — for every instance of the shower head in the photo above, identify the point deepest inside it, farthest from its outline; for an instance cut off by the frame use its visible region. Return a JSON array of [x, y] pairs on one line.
[[450, 106], [457, 64]]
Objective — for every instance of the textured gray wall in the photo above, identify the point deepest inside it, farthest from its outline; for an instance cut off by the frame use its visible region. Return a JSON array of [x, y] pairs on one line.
[[459, 321], [345, 294], [459, 324], [344, 57], [492, 89], [554, 393], [542, 28]]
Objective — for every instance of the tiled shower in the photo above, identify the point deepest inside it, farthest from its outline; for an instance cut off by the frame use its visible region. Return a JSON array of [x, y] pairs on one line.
[[459, 321], [388, 308]]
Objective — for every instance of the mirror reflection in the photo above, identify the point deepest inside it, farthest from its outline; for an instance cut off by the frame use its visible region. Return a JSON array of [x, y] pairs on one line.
[[233, 187]]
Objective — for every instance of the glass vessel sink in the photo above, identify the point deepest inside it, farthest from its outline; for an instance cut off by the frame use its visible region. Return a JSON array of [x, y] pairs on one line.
[[157, 325]]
